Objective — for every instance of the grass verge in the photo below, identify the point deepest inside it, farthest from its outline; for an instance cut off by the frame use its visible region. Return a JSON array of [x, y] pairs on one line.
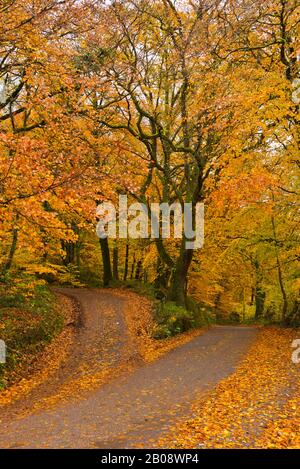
[[27, 325], [171, 319]]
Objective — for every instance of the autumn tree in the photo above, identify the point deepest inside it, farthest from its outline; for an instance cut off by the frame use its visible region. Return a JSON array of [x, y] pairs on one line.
[[160, 83], [44, 150]]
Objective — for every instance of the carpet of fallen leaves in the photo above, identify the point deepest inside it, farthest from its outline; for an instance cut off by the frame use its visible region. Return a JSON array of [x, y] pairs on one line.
[[140, 324], [258, 406]]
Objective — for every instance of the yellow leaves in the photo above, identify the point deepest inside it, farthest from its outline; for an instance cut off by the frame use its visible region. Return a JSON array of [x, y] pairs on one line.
[[40, 269], [296, 285]]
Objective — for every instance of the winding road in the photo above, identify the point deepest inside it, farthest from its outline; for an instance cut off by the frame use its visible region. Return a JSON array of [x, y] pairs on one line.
[[136, 407]]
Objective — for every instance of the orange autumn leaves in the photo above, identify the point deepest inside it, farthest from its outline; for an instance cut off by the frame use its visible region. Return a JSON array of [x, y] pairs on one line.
[[256, 407], [44, 152], [141, 326]]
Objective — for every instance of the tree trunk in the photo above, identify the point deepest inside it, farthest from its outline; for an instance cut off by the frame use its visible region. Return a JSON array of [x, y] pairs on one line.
[[177, 291], [259, 294], [77, 247], [217, 304], [280, 275], [259, 301], [163, 275], [282, 289], [12, 251], [244, 304], [107, 273], [126, 263], [132, 268], [138, 271], [77, 253], [115, 262], [69, 248], [252, 296]]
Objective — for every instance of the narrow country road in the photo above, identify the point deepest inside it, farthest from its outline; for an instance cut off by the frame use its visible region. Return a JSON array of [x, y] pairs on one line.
[[137, 407]]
